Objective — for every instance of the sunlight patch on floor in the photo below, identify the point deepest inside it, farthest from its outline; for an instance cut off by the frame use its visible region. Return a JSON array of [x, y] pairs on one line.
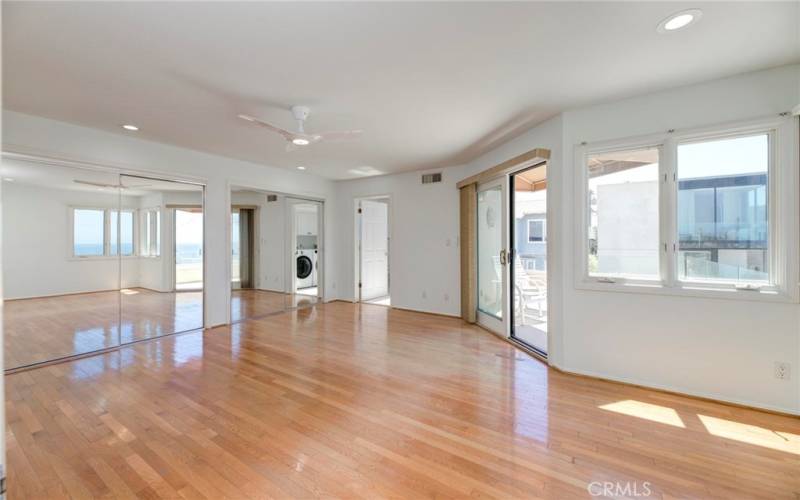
[[751, 434], [647, 411]]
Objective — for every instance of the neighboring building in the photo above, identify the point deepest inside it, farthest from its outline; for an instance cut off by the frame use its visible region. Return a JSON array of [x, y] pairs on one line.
[[531, 241], [722, 228]]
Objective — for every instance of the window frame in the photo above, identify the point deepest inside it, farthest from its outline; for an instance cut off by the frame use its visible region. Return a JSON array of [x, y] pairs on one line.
[[773, 280], [544, 231], [584, 219], [107, 255], [782, 209], [71, 211], [150, 238], [134, 231]]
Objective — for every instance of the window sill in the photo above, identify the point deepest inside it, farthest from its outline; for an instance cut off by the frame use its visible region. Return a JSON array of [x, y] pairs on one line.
[[706, 291], [94, 258]]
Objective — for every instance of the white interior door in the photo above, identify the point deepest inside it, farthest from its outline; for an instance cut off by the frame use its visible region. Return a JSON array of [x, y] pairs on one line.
[[374, 249]]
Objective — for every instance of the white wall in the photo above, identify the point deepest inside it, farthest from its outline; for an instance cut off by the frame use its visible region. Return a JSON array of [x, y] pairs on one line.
[[38, 261], [34, 135], [423, 245], [719, 348], [2, 348]]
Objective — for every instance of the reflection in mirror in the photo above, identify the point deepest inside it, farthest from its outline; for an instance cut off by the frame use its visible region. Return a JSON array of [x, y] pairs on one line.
[[304, 241], [257, 248], [166, 295], [62, 235], [261, 256]]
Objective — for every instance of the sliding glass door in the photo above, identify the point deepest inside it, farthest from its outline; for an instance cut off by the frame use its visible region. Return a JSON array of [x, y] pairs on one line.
[[528, 266], [492, 256], [512, 257]]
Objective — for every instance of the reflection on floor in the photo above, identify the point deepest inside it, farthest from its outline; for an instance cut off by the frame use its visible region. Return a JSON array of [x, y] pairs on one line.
[[146, 313], [344, 400], [253, 303], [312, 290], [250, 303], [381, 301], [41, 329]]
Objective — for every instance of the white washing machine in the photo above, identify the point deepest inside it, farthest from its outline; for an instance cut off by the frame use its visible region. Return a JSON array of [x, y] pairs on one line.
[[306, 268]]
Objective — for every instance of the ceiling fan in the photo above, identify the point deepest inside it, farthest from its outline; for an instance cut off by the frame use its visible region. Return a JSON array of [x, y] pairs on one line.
[[301, 138]]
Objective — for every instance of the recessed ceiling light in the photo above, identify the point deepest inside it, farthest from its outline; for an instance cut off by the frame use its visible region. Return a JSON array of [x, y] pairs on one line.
[[300, 167], [299, 141], [8, 179], [679, 20], [132, 128]]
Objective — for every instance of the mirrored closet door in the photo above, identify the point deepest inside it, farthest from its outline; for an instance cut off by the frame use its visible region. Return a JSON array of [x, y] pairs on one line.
[[275, 253], [62, 237], [162, 257], [93, 260]]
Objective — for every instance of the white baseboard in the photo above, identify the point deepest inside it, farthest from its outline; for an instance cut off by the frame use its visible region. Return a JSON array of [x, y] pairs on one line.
[[681, 390], [64, 294]]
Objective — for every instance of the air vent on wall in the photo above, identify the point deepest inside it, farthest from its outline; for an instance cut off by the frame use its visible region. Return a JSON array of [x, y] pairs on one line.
[[431, 178], [272, 197]]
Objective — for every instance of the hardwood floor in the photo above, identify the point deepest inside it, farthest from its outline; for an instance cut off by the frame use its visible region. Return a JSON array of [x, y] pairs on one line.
[[250, 303], [342, 400], [46, 328]]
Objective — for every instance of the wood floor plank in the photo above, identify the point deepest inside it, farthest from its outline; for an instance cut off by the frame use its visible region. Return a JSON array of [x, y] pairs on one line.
[[362, 401]]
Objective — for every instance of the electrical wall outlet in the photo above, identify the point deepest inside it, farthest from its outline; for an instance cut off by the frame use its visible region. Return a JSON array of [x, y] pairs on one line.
[[783, 371]]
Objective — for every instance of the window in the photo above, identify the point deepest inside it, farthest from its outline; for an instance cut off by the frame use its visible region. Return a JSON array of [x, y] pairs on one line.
[[125, 234], [723, 216], [97, 232], [705, 212], [536, 230], [623, 234], [150, 233], [88, 232]]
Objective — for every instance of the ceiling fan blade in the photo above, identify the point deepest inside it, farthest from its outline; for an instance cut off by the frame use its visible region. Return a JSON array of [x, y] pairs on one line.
[[291, 147], [96, 184], [285, 133], [340, 135]]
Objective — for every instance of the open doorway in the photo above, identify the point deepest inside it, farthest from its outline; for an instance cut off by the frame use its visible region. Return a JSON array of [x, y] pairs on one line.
[[372, 244], [305, 242]]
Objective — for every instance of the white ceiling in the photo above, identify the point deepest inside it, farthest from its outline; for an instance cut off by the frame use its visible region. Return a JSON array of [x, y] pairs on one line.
[[431, 84]]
